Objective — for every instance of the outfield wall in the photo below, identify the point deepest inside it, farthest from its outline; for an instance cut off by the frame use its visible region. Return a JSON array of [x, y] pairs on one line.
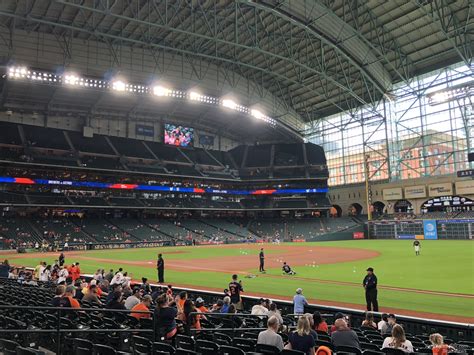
[[422, 229]]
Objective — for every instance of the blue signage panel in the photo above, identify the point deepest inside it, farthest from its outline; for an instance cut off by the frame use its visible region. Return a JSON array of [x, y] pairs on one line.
[[142, 130], [406, 236], [429, 227]]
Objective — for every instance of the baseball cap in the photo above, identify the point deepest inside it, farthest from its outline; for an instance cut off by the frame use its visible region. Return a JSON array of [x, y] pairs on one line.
[[370, 269], [299, 290], [199, 300], [391, 315], [93, 282]]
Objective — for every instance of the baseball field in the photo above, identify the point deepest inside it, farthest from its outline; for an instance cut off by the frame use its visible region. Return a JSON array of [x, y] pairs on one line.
[[438, 284]]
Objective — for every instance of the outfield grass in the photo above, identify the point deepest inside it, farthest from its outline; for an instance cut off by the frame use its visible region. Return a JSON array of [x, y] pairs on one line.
[[446, 266]]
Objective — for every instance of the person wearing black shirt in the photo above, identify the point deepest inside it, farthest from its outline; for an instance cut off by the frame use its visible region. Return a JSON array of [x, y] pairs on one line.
[[160, 265], [262, 261], [165, 318], [235, 288], [61, 259], [370, 286]]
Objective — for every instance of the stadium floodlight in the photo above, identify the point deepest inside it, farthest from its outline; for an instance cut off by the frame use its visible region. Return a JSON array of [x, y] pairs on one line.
[[18, 72], [257, 114], [229, 104], [118, 85], [194, 96], [72, 79], [159, 90]]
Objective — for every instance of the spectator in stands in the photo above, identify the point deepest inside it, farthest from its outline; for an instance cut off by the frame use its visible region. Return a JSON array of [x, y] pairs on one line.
[[61, 259], [109, 276], [238, 322], [200, 305], [116, 301], [271, 336], [226, 305], [391, 322], [144, 305], [216, 308], [165, 318], [191, 321], [76, 272], [145, 286], [383, 324], [344, 336], [126, 280], [319, 323], [104, 287], [313, 333], [68, 300], [58, 293], [118, 278], [274, 312], [63, 274], [260, 309], [92, 295], [299, 302], [180, 299], [4, 269], [369, 321], [79, 286], [134, 299], [398, 340], [45, 275], [438, 346], [301, 339], [337, 316], [115, 288], [38, 270], [99, 275]]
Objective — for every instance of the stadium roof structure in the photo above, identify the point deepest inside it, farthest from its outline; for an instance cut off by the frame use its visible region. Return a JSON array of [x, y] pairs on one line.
[[295, 60]]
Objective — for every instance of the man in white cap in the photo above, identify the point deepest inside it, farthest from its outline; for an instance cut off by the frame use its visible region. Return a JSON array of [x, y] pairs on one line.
[[299, 302]]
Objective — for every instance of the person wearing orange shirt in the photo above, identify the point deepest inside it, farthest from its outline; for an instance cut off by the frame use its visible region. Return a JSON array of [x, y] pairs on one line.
[[182, 297], [77, 272], [200, 305], [144, 305]]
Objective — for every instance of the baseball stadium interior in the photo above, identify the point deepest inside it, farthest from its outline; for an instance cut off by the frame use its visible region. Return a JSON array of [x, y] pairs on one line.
[[181, 144]]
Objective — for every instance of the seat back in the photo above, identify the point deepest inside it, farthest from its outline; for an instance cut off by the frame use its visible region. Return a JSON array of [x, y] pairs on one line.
[[230, 350], [103, 350], [27, 351], [291, 352], [185, 342], [267, 349], [163, 347], [348, 349]]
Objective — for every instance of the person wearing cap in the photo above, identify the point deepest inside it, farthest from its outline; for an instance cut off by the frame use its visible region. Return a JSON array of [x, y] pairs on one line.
[[134, 299], [370, 286], [200, 305], [299, 302], [144, 305]]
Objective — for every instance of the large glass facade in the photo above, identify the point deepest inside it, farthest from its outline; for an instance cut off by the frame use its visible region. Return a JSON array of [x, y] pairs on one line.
[[423, 128]]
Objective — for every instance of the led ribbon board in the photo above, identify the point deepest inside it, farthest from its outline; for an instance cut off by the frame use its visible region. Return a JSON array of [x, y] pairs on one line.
[[158, 188]]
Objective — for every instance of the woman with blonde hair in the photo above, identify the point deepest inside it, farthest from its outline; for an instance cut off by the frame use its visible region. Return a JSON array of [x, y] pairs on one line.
[[301, 339], [398, 340], [438, 346]]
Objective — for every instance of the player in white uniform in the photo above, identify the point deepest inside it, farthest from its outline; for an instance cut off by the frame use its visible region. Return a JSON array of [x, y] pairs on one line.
[[417, 246]]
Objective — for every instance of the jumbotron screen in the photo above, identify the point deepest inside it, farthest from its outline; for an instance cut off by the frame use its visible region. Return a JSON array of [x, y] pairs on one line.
[[178, 135]]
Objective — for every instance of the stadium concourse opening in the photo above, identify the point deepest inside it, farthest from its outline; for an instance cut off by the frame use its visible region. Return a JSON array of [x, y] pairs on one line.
[[257, 159]]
